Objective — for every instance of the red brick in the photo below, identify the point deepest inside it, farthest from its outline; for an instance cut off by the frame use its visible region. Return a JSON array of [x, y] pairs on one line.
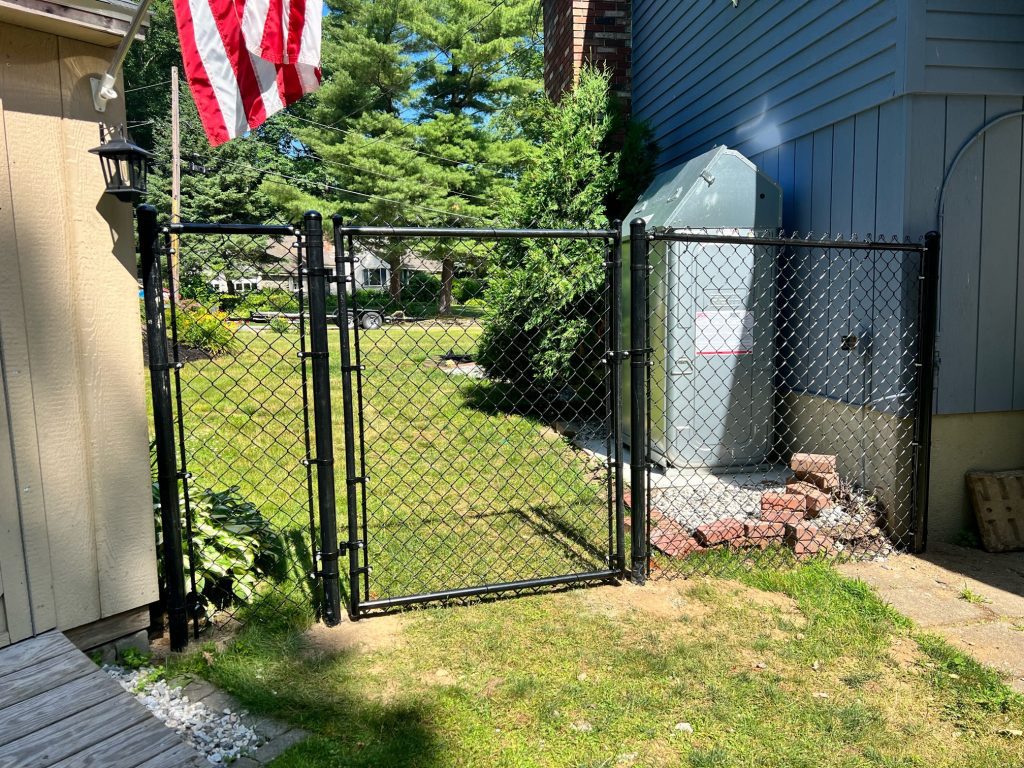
[[575, 32], [802, 463], [826, 481], [674, 542], [817, 499], [782, 502], [764, 530], [807, 540], [783, 516], [718, 532]]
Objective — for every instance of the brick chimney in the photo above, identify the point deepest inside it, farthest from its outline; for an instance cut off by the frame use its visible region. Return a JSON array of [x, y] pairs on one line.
[[578, 32]]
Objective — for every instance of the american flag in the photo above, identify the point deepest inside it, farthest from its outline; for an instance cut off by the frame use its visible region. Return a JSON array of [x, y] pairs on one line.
[[247, 59]]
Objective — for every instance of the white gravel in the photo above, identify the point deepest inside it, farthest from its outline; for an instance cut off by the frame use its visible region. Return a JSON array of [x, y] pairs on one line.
[[220, 736]]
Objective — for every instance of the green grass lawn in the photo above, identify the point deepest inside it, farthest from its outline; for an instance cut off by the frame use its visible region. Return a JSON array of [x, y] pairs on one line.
[[467, 483], [791, 667], [794, 668]]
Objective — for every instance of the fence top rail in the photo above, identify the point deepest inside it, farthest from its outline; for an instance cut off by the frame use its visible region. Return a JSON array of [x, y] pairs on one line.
[[211, 228], [796, 242], [482, 233]]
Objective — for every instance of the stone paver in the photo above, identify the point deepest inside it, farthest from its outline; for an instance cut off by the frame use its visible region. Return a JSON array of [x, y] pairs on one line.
[[278, 736], [276, 747], [928, 588]]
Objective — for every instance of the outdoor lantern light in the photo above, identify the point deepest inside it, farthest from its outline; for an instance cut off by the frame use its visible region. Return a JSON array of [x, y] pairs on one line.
[[124, 165]]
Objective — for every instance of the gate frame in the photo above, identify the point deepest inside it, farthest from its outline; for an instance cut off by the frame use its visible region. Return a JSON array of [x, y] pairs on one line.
[[344, 235], [173, 459]]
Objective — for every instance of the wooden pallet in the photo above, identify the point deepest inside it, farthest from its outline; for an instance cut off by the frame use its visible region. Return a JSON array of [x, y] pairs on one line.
[[59, 710], [998, 499]]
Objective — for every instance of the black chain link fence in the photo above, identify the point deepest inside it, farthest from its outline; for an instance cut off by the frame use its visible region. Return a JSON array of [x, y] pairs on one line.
[[486, 408], [239, 335], [784, 399], [476, 403]]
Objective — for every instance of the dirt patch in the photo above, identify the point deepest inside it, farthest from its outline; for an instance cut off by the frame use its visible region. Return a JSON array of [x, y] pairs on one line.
[[742, 593], [377, 634], [904, 652], [661, 598]]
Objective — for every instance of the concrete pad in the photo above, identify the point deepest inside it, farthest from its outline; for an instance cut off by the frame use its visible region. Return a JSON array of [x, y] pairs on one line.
[[927, 589], [994, 643], [934, 607]]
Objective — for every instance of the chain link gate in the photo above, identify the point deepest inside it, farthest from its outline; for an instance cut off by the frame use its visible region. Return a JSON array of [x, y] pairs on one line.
[[468, 471], [247, 497], [788, 397]]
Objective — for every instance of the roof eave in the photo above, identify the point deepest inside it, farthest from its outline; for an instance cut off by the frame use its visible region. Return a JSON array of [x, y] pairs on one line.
[[103, 22]]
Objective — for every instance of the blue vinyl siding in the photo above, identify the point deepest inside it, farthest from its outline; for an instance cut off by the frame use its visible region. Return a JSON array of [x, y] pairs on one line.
[[967, 47], [754, 77], [857, 108], [848, 179], [981, 303]]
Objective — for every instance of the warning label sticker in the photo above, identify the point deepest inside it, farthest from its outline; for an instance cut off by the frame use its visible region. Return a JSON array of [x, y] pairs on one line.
[[729, 332]]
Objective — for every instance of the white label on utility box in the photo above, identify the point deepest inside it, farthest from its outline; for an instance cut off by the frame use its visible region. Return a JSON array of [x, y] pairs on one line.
[[729, 332]]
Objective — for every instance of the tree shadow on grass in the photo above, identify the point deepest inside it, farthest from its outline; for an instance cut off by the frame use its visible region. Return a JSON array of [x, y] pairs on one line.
[[272, 670], [493, 547], [503, 398]]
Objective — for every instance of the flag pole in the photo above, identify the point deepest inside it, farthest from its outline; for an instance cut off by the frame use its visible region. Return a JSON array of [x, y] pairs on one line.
[[103, 87]]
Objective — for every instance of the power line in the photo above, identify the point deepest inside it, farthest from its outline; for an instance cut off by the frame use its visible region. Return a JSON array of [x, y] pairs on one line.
[[325, 185], [144, 87], [341, 164], [392, 144]]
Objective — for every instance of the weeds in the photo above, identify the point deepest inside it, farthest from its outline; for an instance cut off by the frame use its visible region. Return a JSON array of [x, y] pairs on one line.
[[972, 597]]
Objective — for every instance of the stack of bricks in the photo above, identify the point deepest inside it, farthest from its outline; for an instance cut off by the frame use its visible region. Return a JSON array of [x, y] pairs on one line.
[[808, 492], [586, 32], [786, 517]]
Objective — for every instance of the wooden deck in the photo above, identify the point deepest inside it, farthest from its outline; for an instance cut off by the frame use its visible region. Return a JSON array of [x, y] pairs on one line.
[[59, 709]]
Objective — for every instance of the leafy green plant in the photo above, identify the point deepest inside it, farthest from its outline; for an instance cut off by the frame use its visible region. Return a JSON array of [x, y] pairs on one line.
[[131, 658], [200, 328], [972, 597], [545, 298], [280, 325], [422, 288], [227, 302], [367, 299], [267, 300], [420, 308], [234, 545], [466, 289]]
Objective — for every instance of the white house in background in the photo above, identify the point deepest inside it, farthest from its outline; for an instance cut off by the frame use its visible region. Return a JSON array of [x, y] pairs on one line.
[[371, 272]]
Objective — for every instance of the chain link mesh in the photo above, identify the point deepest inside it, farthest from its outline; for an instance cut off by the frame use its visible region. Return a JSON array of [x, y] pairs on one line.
[[782, 420], [485, 427], [239, 333], [783, 398]]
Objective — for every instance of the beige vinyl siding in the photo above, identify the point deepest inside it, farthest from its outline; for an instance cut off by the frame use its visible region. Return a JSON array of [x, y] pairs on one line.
[[15, 615], [71, 347]]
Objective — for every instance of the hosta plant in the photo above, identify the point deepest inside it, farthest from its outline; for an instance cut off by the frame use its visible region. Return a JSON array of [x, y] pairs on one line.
[[235, 547]]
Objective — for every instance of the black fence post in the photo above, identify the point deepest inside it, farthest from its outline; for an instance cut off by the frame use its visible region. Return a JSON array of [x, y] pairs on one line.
[[313, 237], [163, 428], [929, 313], [615, 372], [638, 342], [352, 500]]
